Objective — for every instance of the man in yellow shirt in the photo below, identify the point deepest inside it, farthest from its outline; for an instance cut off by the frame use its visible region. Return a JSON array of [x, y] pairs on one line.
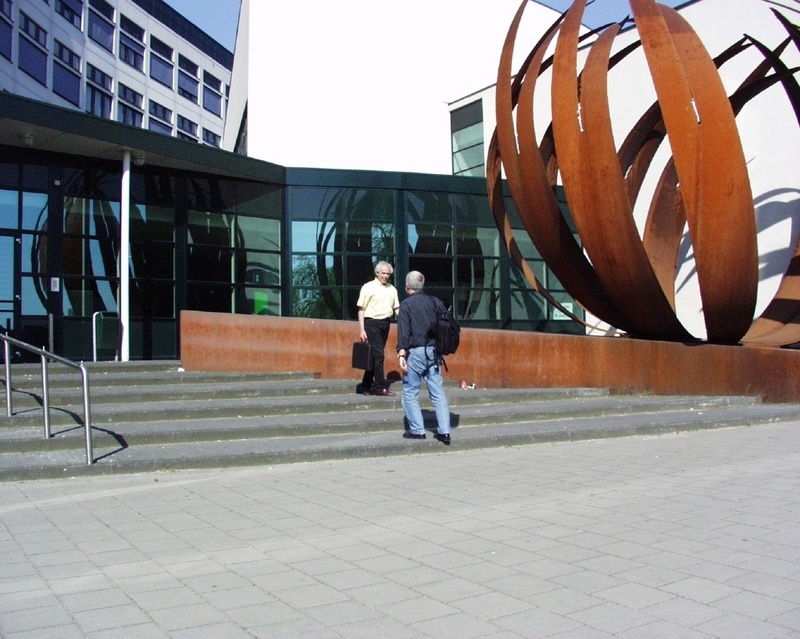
[[377, 303]]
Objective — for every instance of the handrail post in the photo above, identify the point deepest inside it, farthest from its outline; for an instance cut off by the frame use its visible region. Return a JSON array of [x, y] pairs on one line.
[[87, 420], [45, 398], [7, 350], [94, 335]]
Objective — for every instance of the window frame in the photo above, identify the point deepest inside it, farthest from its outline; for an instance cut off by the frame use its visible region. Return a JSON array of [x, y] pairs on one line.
[[72, 14], [97, 26]]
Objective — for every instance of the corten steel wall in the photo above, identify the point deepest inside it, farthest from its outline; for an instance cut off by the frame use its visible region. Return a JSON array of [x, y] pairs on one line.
[[495, 358]]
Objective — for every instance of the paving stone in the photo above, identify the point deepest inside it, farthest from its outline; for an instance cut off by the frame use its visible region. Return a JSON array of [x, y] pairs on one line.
[[673, 535]]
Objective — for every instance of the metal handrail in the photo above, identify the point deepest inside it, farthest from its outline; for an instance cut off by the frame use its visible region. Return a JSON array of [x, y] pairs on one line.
[[45, 356]]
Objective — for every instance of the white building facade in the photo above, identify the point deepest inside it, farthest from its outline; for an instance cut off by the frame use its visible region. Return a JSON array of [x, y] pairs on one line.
[[134, 61]]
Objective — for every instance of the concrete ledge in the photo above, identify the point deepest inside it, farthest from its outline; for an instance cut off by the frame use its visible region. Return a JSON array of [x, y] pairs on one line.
[[495, 358]]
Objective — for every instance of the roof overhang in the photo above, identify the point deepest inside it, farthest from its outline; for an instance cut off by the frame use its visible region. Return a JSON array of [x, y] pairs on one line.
[[32, 124]]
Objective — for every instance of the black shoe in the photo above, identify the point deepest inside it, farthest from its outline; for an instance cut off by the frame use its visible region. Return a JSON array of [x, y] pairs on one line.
[[384, 392], [445, 439], [410, 435]]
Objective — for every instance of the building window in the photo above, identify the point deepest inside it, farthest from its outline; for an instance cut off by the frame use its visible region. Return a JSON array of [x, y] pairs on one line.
[[129, 115], [93, 74], [5, 8], [131, 28], [67, 56], [131, 43], [98, 98], [71, 11], [159, 127], [161, 70], [98, 102], [161, 65], [466, 126], [33, 57], [101, 31], [187, 87], [33, 61], [66, 82], [33, 30], [209, 137], [161, 112], [212, 101], [126, 94], [103, 8], [212, 82], [162, 49], [187, 65], [212, 94], [5, 38], [131, 52], [187, 126], [187, 79]]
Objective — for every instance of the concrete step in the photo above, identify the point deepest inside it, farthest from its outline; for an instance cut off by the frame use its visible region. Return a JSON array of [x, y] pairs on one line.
[[179, 390], [27, 377], [113, 455], [354, 415], [234, 400], [155, 415]]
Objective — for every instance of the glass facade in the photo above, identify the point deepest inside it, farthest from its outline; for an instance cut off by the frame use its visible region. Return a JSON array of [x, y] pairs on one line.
[[200, 241], [337, 234], [441, 227]]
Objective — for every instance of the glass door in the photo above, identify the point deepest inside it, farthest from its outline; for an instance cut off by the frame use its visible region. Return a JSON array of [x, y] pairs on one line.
[[9, 259]]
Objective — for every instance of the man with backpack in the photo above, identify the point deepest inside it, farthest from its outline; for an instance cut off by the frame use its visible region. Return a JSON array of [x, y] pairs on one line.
[[416, 340]]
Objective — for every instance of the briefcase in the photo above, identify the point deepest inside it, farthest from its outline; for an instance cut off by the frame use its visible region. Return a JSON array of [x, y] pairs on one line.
[[362, 355]]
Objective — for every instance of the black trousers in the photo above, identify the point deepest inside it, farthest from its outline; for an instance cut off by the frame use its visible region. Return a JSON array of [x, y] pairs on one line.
[[377, 333]]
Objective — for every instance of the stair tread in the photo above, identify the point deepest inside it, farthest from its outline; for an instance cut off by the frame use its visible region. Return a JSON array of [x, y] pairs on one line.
[[566, 412], [158, 417], [112, 457], [210, 412]]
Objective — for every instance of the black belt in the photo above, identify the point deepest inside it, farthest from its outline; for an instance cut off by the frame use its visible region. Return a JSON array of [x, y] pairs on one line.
[[375, 319]]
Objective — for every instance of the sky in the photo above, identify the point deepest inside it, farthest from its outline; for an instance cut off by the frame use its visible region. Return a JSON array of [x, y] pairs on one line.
[[219, 18], [601, 12]]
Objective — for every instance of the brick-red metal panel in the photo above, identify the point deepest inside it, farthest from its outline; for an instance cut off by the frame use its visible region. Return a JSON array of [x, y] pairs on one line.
[[495, 358]]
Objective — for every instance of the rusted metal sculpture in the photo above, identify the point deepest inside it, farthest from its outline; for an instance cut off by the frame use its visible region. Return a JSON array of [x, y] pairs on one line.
[[625, 279]]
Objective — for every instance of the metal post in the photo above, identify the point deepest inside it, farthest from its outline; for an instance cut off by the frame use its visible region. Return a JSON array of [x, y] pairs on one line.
[[87, 420], [94, 335], [124, 256], [7, 350], [45, 398]]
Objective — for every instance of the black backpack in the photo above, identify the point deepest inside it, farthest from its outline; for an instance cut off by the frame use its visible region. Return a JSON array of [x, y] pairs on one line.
[[445, 330]]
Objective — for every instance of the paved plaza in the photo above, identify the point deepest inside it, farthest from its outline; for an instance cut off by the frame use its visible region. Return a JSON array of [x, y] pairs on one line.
[[687, 535]]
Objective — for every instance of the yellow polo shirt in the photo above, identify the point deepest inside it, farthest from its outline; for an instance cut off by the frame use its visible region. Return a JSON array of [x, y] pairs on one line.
[[377, 300]]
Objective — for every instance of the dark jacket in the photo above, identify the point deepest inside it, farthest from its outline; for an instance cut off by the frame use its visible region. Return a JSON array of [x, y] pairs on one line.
[[417, 314]]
